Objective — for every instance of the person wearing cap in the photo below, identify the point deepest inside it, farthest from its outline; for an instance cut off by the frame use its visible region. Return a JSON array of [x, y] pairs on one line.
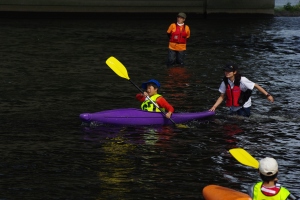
[[178, 33], [268, 188], [237, 89], [151, 88]]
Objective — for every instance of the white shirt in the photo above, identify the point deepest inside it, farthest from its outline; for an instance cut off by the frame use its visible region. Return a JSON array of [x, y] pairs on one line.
[[244, 85]]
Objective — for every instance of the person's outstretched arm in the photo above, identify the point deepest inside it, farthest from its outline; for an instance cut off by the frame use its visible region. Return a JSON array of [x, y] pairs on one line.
[[218, 102], [263, 91]]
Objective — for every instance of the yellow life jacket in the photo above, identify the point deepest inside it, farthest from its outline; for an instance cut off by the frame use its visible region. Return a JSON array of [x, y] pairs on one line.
[[258, 195], [149, 106]]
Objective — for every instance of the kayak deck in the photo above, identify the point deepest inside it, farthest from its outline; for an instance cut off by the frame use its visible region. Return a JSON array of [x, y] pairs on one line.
[[133, 116], [216, 192]]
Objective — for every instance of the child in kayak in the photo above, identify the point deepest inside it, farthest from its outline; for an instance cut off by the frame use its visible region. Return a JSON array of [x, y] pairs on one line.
[[268, 188], [151, 88], [237, 90]]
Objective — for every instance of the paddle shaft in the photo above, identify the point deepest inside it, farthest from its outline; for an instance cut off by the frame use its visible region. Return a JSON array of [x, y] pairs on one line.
[[152, 101]]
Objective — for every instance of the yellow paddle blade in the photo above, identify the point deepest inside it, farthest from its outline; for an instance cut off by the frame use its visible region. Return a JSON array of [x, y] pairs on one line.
[[244, 157], [117, 67]]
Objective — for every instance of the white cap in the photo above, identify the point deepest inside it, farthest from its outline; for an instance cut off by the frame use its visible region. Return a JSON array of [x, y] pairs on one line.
[[268, 166]]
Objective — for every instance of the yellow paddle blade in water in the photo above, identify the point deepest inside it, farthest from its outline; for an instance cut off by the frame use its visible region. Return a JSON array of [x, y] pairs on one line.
[[117, 67], [244, 157]]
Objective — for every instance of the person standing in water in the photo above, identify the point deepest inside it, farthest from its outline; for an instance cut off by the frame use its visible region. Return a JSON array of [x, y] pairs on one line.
[[178, 33], [237, 90]]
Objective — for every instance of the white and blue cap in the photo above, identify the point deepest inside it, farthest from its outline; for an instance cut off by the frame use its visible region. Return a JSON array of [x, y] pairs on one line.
[[144, 85]]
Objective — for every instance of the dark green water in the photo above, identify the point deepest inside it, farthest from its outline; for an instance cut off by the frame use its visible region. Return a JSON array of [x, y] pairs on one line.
[[54, 69]]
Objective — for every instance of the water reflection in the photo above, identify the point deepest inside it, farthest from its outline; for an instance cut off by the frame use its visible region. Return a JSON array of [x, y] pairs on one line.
[[60, 72], [148, 135], [115, 154], [118, 149]]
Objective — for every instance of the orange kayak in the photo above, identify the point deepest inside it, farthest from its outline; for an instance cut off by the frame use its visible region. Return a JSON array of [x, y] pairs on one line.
[[216, 192]]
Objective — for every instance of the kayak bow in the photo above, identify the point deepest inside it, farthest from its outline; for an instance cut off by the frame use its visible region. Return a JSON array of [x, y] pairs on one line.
[[215, 192]]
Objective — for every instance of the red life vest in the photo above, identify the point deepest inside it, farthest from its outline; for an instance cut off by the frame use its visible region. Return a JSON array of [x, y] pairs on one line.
[[179, 36], [233, 94]]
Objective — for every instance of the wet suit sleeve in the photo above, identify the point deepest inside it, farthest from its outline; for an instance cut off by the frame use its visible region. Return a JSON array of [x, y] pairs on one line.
[[188, 32], [170, 29], [162, 102], [140, 97]]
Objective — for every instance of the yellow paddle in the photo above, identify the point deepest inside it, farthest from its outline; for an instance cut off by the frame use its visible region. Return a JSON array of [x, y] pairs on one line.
[[244, 157], [121, 71]]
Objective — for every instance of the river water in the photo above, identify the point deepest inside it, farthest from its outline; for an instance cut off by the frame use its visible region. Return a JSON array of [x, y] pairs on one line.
[[54, 69]]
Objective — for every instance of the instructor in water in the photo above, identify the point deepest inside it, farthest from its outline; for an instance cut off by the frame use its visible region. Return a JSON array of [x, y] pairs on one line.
[[178, 34], [237, 89]]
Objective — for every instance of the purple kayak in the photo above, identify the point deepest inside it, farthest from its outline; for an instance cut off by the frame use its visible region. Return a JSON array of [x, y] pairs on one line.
[[137, 117]]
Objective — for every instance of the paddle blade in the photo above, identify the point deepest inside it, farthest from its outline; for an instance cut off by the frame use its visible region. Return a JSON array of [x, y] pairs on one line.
[[182, 126], [244, 157], [117, 67]]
